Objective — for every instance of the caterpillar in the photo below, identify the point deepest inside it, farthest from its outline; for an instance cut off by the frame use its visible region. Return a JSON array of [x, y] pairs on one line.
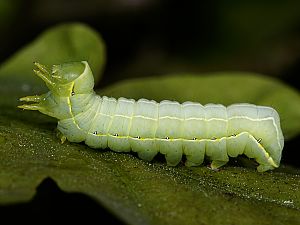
[[148, 128]]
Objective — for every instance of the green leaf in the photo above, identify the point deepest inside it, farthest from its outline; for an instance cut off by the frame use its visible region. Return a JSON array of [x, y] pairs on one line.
[[137, 191], [62, 43], [224, 88], [148, 193]]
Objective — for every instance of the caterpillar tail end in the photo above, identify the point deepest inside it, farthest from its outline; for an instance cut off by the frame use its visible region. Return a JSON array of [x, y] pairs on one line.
[[271, 166]]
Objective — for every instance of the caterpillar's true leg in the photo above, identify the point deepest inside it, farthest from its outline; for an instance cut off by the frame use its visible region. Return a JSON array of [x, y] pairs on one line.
[[60, 136]]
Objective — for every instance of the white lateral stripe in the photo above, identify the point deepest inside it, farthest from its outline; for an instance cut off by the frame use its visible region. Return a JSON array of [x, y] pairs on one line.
[[202, 119], [187, 119]]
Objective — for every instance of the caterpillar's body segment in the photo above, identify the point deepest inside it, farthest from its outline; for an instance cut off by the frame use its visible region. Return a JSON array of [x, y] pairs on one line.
[[148, 127]]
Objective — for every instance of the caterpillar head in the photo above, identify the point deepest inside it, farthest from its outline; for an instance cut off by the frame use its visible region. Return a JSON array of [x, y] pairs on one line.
[[63, 81]]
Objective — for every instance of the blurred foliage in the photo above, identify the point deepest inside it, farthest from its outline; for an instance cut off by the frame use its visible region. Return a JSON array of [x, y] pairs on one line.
[[151, 37], [63, 43], [135, 191]]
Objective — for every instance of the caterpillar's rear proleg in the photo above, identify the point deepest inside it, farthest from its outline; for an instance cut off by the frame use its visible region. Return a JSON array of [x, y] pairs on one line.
[[147, 154], [194, 151], [145, 148], [172, 149], [217, 164], [216, 151], [255, 150]]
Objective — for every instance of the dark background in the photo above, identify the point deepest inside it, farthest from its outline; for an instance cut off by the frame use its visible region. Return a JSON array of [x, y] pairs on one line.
[[153, 37]]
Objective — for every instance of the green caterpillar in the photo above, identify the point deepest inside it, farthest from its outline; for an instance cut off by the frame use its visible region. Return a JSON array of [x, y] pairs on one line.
[[148, 127]]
